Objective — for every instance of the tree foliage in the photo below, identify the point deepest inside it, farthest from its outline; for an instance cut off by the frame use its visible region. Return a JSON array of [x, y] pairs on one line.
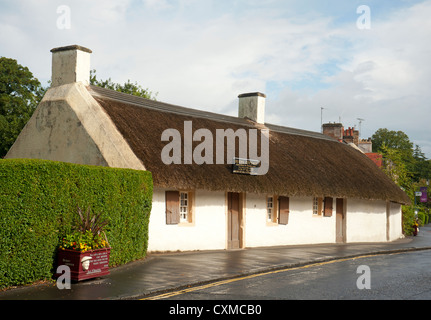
[[395, 167], [407, 167], [413, 160], [391, 139], [128, 87], [20, 93]]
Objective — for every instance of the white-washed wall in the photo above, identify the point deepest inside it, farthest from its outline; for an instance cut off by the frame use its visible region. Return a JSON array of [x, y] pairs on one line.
[[365, 220], [395, 225], [302, 228], [207, 232]]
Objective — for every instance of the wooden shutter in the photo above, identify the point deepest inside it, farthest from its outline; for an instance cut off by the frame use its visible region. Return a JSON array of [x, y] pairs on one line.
[[172, 207], [327, 211], [319, 206], [283, 210]]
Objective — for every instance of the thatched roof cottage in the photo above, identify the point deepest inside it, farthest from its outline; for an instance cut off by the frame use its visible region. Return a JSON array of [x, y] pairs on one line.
[[208, 190]]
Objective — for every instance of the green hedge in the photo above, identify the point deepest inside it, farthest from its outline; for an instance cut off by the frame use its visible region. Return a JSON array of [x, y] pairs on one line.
[[38, 205]]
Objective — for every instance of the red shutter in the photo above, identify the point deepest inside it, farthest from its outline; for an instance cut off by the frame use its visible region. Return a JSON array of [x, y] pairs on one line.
[[283, 210], [327, 212], [172, 207]]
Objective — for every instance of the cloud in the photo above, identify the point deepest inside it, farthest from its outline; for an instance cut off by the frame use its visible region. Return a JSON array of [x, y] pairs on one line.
[[202, 54], [384, 79]]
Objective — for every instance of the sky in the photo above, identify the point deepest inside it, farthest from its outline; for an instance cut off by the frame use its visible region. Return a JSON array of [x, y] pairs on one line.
[[368, 59]]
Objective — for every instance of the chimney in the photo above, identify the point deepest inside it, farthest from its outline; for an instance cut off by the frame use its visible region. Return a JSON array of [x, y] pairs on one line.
[[334, 130], [70, 64], [252, 106]]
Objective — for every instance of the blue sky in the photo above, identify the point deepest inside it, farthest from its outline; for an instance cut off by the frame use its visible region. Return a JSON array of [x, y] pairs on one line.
[[303, 55]]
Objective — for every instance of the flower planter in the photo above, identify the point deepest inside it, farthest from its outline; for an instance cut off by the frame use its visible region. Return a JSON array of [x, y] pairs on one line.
[[85, 265]]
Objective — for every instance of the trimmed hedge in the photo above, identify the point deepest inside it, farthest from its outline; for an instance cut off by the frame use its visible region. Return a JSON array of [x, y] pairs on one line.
[[38, 206]]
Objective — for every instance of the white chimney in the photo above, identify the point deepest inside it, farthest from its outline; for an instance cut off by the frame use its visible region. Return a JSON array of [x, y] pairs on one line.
[[70, 64], [252, 106]]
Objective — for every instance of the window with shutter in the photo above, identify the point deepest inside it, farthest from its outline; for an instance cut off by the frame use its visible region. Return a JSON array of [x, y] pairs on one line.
[[172, 207], [283, 210]]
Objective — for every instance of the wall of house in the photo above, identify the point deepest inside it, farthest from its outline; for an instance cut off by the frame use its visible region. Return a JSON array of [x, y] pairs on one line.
[[301, 228], [366, 220], [395, 221], [206, 232]]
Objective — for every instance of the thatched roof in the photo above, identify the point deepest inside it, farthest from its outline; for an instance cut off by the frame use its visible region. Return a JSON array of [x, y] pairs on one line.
[[301, 163]]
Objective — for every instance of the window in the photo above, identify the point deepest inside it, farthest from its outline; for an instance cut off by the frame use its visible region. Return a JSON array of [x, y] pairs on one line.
[[270, 208], [184, 208], [179, 207], [322, 206], [277, 209], [317, 206]]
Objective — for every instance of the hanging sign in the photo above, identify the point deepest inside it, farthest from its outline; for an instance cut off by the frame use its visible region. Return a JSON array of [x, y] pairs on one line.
[[424, 196], [245, 166]]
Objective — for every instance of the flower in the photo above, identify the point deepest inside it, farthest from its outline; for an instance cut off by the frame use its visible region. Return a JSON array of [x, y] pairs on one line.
[[87, 235], [83, 241]]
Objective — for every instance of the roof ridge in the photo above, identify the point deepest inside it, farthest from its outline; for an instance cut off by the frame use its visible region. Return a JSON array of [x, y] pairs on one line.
[[162, 106], [171, 108]]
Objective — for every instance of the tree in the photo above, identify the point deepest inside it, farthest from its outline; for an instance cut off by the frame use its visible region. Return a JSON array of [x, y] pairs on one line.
[[407, 167], [128, 87], [391, 139], [396, 140], [395, 168], [20, 93], [422, 165]]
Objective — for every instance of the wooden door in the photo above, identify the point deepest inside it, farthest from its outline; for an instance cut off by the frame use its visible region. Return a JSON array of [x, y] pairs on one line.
[[340, 223], [234, 220]]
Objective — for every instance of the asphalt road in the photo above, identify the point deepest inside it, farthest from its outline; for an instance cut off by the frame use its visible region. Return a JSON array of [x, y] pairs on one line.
[[401, 276]]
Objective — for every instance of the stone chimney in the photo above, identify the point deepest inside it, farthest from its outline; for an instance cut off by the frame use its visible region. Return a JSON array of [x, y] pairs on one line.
[[334, 130], [70, 64], [252, 106]]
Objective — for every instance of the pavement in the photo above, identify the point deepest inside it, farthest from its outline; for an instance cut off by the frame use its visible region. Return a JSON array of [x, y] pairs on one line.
[[159, 273]]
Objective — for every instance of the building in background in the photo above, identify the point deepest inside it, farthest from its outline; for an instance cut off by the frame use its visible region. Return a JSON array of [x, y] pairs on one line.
[[350, 136]]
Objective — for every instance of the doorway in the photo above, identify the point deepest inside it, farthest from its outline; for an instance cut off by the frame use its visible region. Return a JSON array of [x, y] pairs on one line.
[[234, 216], [340, 229]]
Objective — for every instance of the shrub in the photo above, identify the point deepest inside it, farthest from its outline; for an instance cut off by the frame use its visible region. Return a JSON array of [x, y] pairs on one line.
[[408, 220], [38, 203]]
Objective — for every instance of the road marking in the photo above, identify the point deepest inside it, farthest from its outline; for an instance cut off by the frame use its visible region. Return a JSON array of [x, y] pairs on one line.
[[222, 282]]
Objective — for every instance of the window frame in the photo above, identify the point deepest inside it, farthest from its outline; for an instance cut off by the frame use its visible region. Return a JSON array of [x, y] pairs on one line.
[[273, 218], [184, 204], [174, 205], [317, 206]]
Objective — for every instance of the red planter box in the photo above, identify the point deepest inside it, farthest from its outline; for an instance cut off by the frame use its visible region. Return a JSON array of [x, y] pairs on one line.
[[85, 265]]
